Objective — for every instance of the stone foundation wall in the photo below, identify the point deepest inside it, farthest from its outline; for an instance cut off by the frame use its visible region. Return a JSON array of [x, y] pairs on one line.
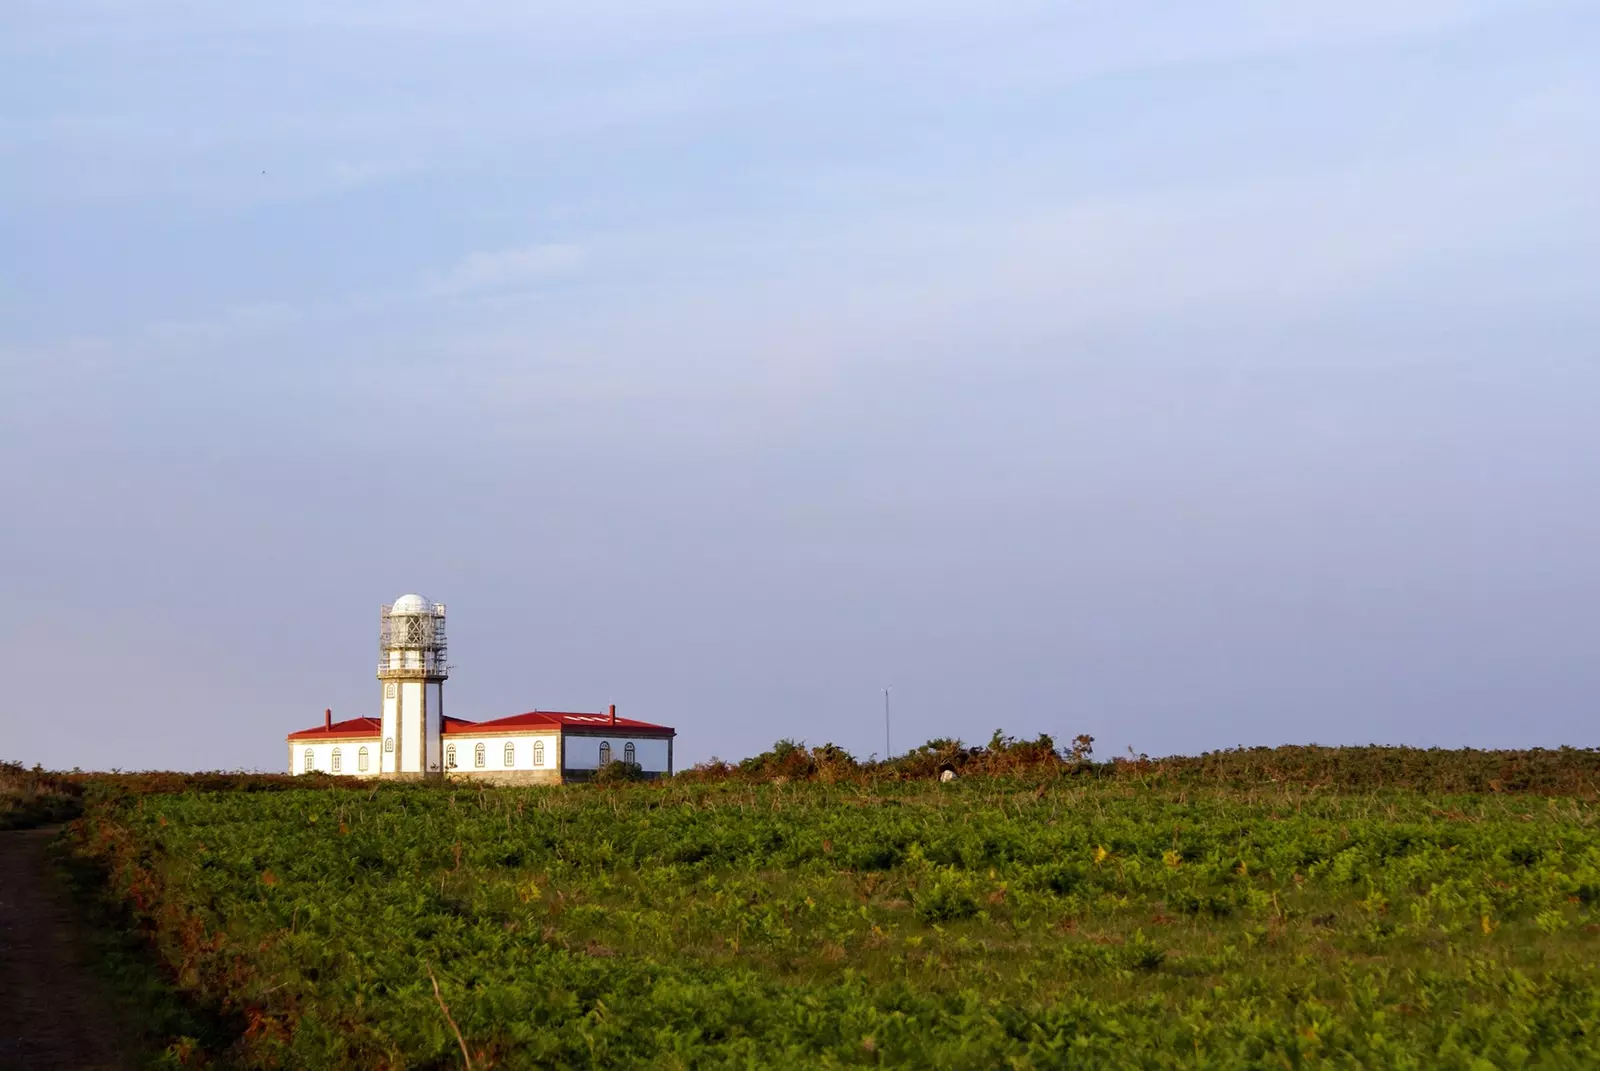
[[507, 777]]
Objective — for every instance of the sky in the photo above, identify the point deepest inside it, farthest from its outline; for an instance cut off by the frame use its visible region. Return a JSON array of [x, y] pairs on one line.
[[1191, 376]]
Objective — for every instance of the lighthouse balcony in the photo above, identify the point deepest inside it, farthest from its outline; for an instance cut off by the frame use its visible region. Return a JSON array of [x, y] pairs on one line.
[[412, 670]]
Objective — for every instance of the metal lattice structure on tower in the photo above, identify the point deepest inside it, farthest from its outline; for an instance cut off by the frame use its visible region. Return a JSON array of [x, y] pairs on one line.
[[411, 640]]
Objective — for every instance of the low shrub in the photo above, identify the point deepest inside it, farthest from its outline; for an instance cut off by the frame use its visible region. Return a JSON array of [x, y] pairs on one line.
[[619, 772], [34, 797]]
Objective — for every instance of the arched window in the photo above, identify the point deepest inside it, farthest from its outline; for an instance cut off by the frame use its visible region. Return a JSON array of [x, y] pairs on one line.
[[538, 752], [388, 745], [605, 753], [311, 761], [362, 760], [480, 756], [450, 757], [629, 754], [511, 754], [336, 760]]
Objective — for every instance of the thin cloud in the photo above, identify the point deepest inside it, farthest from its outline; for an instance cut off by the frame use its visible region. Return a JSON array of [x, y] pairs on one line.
[[508, 269], [906, 285]]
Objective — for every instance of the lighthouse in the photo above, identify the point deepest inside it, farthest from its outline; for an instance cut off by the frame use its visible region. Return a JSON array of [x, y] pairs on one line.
[[412, 671], [412, 739]]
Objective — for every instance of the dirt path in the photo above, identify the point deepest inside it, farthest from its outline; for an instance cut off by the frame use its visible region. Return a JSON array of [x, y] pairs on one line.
[[52, 1008]]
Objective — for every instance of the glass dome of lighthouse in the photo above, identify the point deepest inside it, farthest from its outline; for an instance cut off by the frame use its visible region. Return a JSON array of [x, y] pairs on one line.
[[411, 638]]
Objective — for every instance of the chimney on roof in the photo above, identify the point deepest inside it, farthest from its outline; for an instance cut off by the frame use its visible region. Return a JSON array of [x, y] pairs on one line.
[[613, 713], [327, 718]]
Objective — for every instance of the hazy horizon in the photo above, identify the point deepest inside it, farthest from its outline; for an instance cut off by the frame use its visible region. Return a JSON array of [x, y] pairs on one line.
[[1187, 378]]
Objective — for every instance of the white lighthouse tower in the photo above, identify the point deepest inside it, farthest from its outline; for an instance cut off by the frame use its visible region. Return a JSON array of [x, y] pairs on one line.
[[411, 665]]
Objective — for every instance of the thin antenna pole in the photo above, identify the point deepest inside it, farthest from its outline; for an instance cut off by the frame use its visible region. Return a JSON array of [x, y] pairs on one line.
[[887, 747]]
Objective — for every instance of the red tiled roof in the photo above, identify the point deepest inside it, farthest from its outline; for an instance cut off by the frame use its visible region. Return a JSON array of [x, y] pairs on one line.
[[340, 730], [539, 719], [555, 719]]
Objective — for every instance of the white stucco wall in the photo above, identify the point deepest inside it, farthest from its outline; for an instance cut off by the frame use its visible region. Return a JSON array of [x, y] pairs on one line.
[[349, 754], [434, 696], [494, 751], [412, 744], [391, 727], [583, 752]]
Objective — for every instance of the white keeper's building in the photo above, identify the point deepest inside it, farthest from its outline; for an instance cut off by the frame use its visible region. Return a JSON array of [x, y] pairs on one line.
[[414, 738]]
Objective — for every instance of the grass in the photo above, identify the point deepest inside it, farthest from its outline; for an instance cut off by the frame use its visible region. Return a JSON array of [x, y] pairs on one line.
[[1004, 921]]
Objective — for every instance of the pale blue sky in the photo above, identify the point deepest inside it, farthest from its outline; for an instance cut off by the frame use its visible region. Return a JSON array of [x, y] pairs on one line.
[[1188, 375]]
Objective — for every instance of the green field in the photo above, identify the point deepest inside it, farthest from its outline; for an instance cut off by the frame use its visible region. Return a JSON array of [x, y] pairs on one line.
[[1043, 921]]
